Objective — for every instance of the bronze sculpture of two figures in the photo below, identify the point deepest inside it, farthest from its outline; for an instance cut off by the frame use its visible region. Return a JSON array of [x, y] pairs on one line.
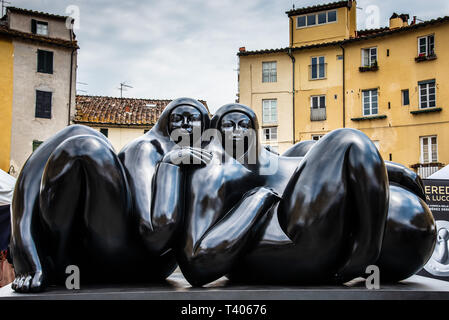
[[204, 194]]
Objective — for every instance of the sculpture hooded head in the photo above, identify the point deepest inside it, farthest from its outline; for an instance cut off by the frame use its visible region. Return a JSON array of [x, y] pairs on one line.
[[181, 119], [238, 129]]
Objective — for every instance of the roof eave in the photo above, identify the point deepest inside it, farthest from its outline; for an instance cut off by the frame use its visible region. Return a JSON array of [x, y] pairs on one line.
[[318, 8]]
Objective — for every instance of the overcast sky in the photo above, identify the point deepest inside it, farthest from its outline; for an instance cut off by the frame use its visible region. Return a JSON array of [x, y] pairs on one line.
[[167, 49]]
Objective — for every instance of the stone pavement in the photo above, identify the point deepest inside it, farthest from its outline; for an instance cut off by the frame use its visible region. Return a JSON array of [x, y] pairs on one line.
[[177, 288]]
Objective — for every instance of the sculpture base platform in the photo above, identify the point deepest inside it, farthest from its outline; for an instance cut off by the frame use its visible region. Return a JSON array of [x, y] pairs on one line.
[[177, 288]]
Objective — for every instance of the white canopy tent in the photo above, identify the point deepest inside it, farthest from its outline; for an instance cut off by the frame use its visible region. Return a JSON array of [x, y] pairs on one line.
[[7, 184], [442, 174]]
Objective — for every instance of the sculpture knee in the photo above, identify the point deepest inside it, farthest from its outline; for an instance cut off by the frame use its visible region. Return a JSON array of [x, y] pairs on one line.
[[63, 179], [410, 236]]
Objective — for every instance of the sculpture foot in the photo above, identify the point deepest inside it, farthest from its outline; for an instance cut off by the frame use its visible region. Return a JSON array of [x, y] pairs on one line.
[[29, 282]]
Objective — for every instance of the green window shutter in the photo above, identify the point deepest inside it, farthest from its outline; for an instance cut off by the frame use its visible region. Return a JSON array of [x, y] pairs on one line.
[[36, 144]]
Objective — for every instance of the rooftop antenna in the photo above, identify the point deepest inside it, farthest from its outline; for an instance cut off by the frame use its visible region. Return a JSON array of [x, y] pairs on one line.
[[83, 84], [3, 5], [123, 87]]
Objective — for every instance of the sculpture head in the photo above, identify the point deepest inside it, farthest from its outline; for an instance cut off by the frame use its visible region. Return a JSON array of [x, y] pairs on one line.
[[186, 121], [237, 125], [183, 120], [234, 126]]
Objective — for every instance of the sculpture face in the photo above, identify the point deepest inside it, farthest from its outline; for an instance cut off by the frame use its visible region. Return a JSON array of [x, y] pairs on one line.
[[186, 120], [235, 126]]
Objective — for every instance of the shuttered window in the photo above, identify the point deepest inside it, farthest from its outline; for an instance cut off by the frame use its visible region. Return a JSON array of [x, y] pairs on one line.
[[44, 61], [104, 131], [43, 104], [36, 144]]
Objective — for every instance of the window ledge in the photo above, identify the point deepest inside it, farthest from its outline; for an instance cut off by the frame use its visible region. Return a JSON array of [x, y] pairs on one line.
[[427, 164], [427, 110], [379, 117], [426, 58], [367, 69]]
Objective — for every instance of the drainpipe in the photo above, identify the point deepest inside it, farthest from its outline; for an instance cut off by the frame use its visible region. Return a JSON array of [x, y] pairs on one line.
[[71, 74], [344, 88], [289, 52]]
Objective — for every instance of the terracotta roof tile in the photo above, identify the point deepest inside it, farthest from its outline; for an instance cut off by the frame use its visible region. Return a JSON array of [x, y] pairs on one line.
[[4, 30], [361, 35], [36, 13], [321, 7], [119, 111]]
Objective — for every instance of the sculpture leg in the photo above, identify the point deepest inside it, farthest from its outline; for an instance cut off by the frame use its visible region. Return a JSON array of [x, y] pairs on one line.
[[85, 206], [28, 240], [223, 244], [335, 206]]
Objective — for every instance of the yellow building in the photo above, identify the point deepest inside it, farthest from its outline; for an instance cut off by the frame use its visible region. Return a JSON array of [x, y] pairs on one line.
[[6, 93], [388, 83]]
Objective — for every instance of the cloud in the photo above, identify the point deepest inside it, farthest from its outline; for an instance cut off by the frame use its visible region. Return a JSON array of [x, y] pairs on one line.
[[168, 49]]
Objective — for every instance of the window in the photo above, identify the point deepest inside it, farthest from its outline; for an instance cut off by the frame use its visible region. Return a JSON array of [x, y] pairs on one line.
[[318, 108], [369, 57], [269, 111], [311, 20], [318, 68], [405, 97], [427, 94], [370, 102], [36, 144], [105, 132], [301, 22], [317, 137], [316, 19], [39, 27], [43, 104], [44, 61], [270, 134], [426, 46], [331, 16], [429, 149], [322, 18], [269, 71]]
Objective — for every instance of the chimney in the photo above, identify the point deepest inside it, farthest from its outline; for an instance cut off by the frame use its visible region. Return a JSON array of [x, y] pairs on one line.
[[242, 49], [399, 21], [414, 20], [405, 18]]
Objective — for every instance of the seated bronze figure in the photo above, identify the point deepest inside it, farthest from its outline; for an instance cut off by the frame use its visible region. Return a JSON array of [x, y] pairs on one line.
[[217, 203], [77, 203], [322, 218]]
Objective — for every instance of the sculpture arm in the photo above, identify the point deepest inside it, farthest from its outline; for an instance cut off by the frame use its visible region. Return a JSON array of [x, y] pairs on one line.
[[166, 211], [214, 254], [156, 193]]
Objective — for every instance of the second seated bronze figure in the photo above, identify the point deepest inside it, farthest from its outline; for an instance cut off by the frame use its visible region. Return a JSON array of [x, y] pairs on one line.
[[319, 214]]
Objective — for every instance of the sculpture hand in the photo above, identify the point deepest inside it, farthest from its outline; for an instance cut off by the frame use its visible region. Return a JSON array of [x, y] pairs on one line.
[[405, 178], [188, 156]]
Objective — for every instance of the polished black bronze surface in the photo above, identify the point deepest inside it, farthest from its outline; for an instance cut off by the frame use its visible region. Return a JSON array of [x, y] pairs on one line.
[[217, 202], [328, 224], [77, 203]]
